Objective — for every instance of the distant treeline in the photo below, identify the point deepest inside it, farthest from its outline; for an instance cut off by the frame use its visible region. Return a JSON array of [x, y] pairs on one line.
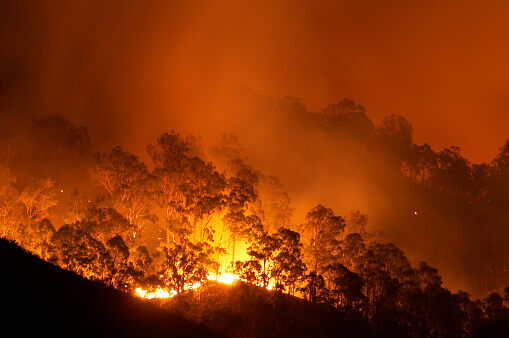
[[110, 217]]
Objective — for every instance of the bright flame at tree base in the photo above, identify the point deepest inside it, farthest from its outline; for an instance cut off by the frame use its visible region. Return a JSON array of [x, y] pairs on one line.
[[158, 293], [227, 278]]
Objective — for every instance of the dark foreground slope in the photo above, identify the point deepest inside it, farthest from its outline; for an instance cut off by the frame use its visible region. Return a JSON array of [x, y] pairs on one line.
[[38, 298], [243, 310]]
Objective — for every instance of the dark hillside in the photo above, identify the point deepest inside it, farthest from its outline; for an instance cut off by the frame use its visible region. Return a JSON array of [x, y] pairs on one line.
[[244, 310], [40, 298]]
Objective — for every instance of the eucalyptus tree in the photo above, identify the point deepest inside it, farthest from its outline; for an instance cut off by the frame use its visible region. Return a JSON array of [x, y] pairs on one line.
[[127, 184], [188, 189], [321, 232]]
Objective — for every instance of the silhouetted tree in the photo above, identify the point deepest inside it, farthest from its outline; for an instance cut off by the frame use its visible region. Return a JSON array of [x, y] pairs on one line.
[[121, 271], [78, 209], [351, 251], [314, 288], [127, 183], [394, 137], [288, 269], [37, 198], [262, 249], [357, 223], [322, 231], [36, 237], [9, 210], [106, 223], [345, 287], [272, 204], [184, 267], [78, 251], [190, 190]]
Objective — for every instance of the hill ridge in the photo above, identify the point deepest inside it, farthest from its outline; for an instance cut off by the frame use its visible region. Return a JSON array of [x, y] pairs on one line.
[[49, 301]]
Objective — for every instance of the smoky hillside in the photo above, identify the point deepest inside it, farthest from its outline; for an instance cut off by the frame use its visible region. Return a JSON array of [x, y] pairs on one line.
[[207, 232], [133, 72], [434, 204]]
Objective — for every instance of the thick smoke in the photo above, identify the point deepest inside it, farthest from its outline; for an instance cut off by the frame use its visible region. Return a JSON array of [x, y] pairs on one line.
[[130, 72]]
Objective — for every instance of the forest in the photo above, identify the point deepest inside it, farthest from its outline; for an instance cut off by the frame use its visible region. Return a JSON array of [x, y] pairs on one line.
[[203, 233]]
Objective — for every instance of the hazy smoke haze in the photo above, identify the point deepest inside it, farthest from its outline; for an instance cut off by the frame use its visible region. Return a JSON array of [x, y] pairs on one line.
[[131, 71]]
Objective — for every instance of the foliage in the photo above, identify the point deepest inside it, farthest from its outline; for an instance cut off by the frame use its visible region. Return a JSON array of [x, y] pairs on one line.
[[184, 266], [37, 198], [322, 231], [167, 226], [9, 198], [127, 183]]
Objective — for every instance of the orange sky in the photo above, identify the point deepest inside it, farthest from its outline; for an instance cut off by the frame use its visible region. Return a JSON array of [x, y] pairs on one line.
[[143, 68]]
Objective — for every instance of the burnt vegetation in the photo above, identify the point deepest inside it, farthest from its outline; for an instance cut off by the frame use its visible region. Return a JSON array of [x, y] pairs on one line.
[[190, 213]]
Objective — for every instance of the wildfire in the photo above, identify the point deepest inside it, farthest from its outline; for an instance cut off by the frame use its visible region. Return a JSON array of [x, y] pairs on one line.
[[158, 293], [227, 278]]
